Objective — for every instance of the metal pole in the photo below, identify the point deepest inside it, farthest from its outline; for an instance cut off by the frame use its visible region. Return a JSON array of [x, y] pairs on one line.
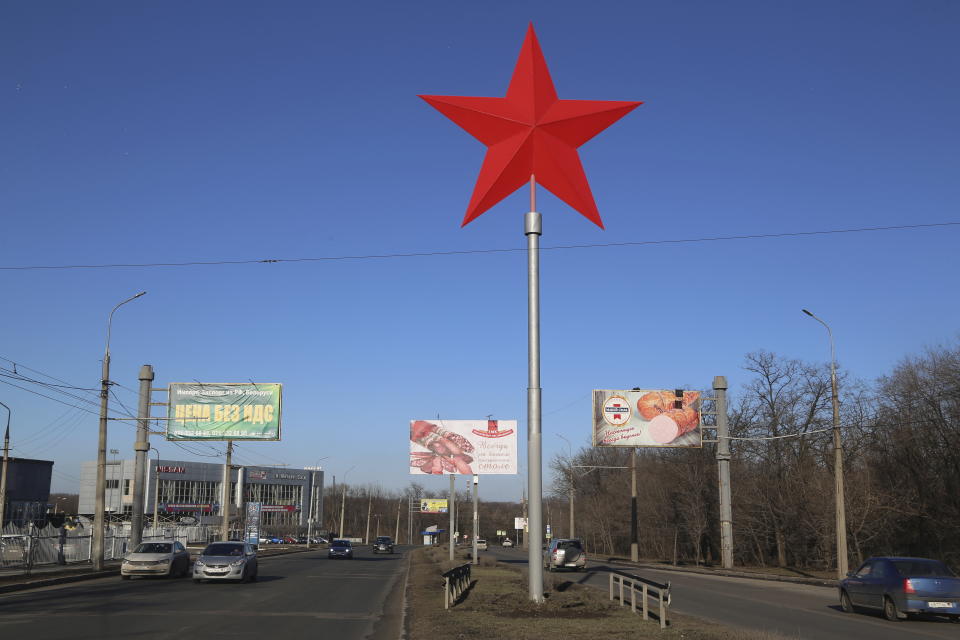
[[156, 494], [3, 473], [313, 512], [723, 467], [476, 519], [319, 510], [225, 494], [96, 544], [533, 229], [343, 507], [634, 533], [450, 512], [141, 447], [841, 516]]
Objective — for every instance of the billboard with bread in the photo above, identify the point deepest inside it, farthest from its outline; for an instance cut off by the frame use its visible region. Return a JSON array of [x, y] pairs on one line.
[[646, 418]]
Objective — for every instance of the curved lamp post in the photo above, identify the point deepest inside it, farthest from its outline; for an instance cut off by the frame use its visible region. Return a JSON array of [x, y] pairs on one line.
[[841, 516], [96, 551]]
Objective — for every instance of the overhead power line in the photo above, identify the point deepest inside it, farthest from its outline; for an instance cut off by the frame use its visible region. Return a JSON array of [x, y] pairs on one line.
[[423, 254]]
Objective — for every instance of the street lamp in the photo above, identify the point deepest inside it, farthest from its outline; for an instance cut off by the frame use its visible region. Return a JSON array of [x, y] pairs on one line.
[[837, 458], [96, 550], [3, 473]]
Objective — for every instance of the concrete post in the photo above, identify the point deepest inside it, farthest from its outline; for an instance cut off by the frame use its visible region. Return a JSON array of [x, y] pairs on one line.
[[451, 514], [476, 518], [225, 495], [141, 447], [634, 533], [723, 467]]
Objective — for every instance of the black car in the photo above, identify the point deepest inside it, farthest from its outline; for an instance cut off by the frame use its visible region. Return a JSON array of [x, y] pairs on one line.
[[384, 544]]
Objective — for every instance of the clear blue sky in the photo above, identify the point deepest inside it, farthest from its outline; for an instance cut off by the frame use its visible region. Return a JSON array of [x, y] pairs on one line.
[[161, 132]]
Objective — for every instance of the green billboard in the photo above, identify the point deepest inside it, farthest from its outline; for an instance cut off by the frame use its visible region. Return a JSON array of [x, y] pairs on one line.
[[224, 411]]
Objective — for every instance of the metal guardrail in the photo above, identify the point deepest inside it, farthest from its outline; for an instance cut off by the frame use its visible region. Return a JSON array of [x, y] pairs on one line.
[[455, 582], [648, 589]]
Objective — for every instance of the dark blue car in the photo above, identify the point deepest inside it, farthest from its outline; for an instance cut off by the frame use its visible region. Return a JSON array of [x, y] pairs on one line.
[[901, 586], [341, 549]]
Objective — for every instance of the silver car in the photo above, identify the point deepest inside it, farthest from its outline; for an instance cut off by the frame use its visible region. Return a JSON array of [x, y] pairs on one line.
[[235, 561], [565, 553], [168, 559]]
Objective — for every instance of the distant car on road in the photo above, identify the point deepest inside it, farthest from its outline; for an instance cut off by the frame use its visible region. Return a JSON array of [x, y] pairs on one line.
[[481, 544], [507, 543], [901, 586], [383, 544], [226, 561], [565, 553], [341, 549], [168, 558]]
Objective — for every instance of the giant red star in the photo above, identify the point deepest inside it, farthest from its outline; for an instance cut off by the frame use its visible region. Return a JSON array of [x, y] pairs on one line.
[[531, 133]]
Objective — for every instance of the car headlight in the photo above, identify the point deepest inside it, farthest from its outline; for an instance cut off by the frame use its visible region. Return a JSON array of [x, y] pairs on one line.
[[198, 562], [238, 563]]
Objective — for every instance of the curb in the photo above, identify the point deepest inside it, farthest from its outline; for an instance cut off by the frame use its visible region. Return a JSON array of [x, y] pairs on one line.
[[816, 582]]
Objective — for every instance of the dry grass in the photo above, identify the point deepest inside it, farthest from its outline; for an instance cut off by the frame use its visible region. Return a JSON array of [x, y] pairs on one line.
[[497, 606]]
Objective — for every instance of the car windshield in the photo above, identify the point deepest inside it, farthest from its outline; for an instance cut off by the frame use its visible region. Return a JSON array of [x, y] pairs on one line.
[[922, 568], [383, 540], [154, 547], [222, 549], [341, 543]]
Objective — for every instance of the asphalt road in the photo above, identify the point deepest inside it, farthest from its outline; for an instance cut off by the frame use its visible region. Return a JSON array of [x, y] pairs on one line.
[[301, 595], [792, 610]]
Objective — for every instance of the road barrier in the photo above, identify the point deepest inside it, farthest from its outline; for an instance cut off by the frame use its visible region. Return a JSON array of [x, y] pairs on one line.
[[455, 582], [24, 547], [647, 589]]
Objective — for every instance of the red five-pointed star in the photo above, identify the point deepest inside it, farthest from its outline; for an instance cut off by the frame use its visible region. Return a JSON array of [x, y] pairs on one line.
[[531, 132]]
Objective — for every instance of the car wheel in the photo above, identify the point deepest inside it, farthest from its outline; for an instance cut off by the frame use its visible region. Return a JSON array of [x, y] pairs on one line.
[[890, 611], [123, 577], [845, 603], [253, 578]]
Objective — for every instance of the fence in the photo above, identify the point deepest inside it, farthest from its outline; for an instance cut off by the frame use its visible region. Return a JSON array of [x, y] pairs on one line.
[[455, 582], [25, 547], [660, 591]]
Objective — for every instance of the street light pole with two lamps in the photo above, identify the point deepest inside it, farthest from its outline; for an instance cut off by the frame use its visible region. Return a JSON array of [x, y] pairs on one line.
[[841, 517]]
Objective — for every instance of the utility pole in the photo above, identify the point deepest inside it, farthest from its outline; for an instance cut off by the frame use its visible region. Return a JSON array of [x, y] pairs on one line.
[[225, 493], [396, 535], [141, 447], [6, 460], [451, 507], [366, 535], [572, 534], [723, 467], [343, 507], [634, 533], [96, 543]]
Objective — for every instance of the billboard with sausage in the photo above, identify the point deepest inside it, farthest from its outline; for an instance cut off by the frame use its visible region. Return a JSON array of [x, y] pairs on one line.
[[443, 447], [646, 418]]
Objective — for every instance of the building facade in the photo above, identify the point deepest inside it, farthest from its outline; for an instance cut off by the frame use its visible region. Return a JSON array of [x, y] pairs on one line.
[[179, 488]]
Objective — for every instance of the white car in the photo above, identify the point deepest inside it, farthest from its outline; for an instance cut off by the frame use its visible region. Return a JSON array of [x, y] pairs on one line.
[[507, 543], [481, 545], [167, 558]]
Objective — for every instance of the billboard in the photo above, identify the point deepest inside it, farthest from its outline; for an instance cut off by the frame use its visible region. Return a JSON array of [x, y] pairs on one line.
[[646, 418], [443, 447], [433, 505], [224, 411]]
